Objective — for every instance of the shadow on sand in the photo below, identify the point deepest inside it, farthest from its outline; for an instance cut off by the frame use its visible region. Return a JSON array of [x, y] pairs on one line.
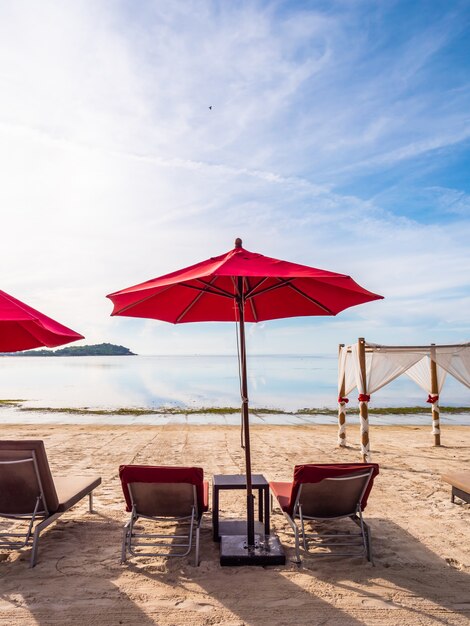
[[78, 580], [72, 582]]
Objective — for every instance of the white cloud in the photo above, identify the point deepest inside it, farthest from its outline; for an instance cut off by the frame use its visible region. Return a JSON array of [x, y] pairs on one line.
[[451, 200], [114, 170]]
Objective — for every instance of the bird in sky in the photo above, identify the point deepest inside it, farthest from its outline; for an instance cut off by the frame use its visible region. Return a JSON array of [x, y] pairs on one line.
[[210, 108]]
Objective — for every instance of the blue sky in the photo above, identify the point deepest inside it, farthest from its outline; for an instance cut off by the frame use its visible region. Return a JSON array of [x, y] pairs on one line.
[[339, 137]]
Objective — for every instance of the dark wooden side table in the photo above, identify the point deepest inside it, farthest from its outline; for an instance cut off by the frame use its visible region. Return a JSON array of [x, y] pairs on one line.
[[238, 527]]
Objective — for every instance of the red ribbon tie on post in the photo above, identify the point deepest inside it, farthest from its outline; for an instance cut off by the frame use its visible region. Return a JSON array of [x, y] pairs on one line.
[[364, 397], [341, 399], [432, 399]]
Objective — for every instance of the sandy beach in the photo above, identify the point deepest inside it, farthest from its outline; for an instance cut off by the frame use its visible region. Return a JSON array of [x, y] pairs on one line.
[[421, 541]]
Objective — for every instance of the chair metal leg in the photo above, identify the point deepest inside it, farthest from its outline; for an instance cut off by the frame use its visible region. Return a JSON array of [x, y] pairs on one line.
[[34, 550], [38, 529], [297, 550], [129, 546], [294, 527], [302, 527], [366, 534], [368, 543], [124, 543], [196, 556], [34, 529]]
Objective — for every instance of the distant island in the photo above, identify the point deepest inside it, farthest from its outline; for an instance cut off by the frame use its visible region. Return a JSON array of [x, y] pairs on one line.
[[99, 349]]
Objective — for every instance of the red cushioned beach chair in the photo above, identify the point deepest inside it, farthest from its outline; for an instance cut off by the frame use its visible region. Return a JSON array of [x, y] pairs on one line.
[[167, 495], [322, 493]]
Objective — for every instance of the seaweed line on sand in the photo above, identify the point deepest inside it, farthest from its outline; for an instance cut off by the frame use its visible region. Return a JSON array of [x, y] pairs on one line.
[[413, 410]]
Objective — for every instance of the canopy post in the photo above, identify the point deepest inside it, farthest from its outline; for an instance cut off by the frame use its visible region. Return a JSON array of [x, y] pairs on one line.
[[341, 406], [250, 515], [436, 431], [363, 402]]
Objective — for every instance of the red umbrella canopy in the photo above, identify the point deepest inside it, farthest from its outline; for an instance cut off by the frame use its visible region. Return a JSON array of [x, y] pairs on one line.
[[271, 289], [23, 328]]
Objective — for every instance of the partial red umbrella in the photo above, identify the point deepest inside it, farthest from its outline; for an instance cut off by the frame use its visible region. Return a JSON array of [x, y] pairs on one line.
[[24, 328], [241, 286]]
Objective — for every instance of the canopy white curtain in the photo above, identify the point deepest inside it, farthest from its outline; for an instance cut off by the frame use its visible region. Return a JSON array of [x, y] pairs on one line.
[[346, 370], [420, 374], [346, 383], [381, 368], [456, 361]]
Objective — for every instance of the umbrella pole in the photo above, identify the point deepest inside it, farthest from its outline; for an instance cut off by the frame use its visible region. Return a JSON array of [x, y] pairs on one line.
[[250, 515], [242, 549]]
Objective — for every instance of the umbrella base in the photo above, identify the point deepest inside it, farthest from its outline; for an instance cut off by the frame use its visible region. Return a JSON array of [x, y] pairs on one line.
[[267, 551]]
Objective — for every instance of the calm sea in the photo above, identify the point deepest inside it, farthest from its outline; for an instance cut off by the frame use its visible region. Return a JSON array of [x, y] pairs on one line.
[[280, 382]]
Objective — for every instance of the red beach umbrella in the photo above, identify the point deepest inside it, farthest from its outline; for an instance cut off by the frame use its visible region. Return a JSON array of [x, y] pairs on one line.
[[241, 286], [23, 328]]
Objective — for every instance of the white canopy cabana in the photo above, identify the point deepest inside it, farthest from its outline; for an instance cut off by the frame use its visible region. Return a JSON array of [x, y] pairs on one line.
[[369, 367]]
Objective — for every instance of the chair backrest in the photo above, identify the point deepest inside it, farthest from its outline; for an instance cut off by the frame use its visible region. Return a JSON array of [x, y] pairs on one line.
[[328, 490], [333, 497], [25, 475], [162, 491]]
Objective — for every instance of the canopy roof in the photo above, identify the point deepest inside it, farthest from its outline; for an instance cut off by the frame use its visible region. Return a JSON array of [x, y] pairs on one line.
[[453, 348]]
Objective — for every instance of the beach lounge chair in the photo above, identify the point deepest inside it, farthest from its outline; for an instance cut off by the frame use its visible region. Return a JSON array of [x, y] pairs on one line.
[[323, 493], [460, 483], [29, 493], [169, 496]]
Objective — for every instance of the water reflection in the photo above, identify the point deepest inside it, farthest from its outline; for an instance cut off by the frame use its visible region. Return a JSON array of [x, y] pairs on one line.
[[283, 382]]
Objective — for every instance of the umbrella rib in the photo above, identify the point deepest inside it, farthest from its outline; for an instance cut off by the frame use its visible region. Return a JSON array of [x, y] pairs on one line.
[[199, 295], [252, 303], [252, 294], [250, 291], [309, 298], [214, 292], [235, 286], [288, 283], [219, 291]]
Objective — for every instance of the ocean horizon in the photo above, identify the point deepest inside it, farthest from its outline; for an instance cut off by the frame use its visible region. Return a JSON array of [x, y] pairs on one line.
[[286, 383]]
